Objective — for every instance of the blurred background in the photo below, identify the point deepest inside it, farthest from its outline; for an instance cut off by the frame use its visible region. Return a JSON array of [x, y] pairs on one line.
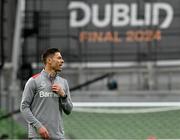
[[122, 63]]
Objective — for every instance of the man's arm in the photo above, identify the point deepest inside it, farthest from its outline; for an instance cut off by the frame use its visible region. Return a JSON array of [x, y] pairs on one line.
[[65, 98], [66, 102], [27, 99]]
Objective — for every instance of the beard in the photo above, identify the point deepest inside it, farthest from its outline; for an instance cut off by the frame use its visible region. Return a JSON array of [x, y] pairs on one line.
[[56, 67], [59, 69]]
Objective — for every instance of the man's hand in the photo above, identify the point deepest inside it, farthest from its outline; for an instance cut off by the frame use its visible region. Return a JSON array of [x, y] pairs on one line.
[[58, 89], [43, 132]]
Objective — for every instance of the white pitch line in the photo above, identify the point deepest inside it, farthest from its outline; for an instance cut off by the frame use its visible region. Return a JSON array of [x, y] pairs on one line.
[[125, 111], [126, 104]]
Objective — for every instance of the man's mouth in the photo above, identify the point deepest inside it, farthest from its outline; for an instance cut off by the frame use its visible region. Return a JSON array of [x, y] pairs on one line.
[[60, 66]]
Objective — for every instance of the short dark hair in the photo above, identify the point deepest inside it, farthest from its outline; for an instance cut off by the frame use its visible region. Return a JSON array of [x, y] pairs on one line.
[[49, 52]]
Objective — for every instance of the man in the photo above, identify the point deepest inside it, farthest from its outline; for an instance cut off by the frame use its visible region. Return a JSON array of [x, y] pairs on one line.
[[45, 97]]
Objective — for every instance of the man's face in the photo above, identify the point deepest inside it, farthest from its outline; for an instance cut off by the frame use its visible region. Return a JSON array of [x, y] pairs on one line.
[[56, 62]]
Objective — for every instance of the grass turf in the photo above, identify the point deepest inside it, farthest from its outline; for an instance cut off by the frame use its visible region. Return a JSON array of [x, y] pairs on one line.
[[11, 129], [161, 125]]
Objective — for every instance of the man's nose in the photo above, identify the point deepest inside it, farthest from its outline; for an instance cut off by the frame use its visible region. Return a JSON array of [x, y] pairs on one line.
[[62, 61]]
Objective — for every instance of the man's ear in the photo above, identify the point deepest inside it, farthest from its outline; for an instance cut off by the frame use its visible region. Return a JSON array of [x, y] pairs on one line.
[[49, 60]]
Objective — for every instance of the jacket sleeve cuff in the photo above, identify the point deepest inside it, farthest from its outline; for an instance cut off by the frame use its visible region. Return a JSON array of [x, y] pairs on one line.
[[38, 125], [64, 97]]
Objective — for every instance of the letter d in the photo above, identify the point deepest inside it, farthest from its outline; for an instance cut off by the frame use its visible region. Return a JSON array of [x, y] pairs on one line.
[[74, 22], [169, 14]]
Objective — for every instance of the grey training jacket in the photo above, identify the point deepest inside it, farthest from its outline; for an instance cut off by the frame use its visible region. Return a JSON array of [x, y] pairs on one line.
[[42, 107]]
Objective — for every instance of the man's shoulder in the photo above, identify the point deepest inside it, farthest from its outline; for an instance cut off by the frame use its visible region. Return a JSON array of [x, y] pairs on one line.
[[61, 78], [34, 78], [36, 75]]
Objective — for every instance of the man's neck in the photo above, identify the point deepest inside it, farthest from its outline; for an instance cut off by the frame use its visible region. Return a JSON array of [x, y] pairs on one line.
[[50, 71]]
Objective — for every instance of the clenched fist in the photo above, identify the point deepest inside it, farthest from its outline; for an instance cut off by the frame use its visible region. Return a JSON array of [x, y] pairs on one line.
[[58, 89]]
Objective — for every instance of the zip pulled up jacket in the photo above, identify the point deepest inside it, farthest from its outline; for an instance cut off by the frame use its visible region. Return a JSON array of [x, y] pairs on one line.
[[40, 106]]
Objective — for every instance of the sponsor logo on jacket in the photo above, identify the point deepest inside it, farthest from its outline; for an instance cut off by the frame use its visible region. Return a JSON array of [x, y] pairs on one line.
[[47, 94]]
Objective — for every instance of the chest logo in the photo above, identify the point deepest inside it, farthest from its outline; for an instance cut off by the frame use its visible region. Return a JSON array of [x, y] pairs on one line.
[[43, 84]]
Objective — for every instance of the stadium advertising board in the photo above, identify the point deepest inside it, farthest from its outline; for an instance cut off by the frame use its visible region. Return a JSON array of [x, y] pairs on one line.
[[125, 30], [120, 15]]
